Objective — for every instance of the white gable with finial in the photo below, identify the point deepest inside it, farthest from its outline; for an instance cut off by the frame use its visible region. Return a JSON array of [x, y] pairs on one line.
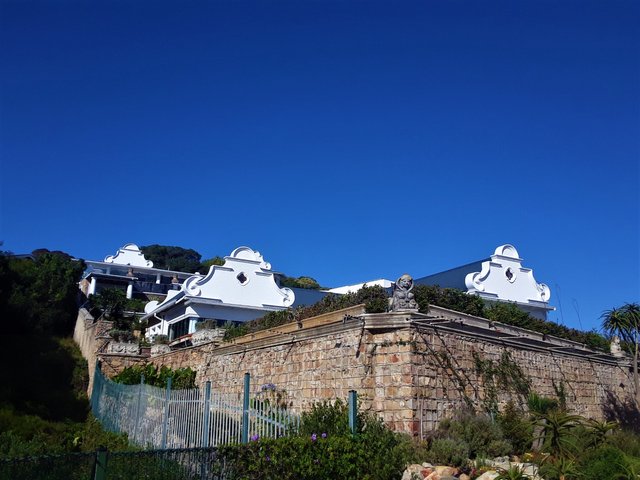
[[244, 279], [131, 255], [504, 278]]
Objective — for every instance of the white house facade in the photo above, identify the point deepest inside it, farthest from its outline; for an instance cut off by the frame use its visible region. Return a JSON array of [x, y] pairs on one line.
[[242, 289], [500, 278], [129, 270]]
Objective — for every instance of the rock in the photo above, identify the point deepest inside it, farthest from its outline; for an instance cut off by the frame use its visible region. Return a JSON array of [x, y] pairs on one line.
[[490, 475], [445, 471], [433, 476], [159, 349], [427, 465], [414, 472], [123, 348], [464, 476]]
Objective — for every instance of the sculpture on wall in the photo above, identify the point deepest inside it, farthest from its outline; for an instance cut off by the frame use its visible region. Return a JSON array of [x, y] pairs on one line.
[[402, 297]]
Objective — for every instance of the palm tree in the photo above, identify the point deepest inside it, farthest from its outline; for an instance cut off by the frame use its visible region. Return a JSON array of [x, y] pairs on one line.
[[625, 323]]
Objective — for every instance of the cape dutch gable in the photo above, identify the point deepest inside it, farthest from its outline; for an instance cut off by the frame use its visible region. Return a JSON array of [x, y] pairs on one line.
[[242, 289], [500, 278]]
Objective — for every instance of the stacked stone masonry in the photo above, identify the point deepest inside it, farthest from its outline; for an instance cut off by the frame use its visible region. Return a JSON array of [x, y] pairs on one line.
[[410, 374]]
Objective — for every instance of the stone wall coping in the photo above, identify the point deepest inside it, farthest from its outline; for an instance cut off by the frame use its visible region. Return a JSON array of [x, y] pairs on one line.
[[307, 323], [275, 338], [437, 319], [517, 338]]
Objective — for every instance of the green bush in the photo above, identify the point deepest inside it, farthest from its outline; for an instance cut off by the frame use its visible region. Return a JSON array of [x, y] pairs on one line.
[[30, 435], [182, 378], [482, 436], [374, 298], [516, 428], [450, 298], [510, 314], [323, 449], [626, 441], [446, 451], [293, 458], [326, 417], [604, 462]]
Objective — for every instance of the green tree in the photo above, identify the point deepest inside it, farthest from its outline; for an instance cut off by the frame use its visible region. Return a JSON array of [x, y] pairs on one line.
[[39, 294], [625, 323], [300, 282], [172, 258], [206, 264]]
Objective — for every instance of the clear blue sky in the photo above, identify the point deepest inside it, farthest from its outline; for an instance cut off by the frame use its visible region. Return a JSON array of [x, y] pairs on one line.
[[346, 141]]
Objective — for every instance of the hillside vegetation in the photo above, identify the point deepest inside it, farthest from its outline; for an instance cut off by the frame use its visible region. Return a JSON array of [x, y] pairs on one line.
[[43, 381]]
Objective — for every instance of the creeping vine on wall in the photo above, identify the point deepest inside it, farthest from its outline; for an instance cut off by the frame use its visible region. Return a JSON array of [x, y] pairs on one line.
[[503, 375]]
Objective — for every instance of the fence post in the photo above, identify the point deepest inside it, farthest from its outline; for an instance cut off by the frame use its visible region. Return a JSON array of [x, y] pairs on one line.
[[100, 470], [135, 431], [165, 420], [207, 412], [353, 411], [245, 409]]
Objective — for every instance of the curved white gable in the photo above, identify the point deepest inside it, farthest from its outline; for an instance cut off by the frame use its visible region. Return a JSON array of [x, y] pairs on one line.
[[245, 279], [503, 277], [129, 254]]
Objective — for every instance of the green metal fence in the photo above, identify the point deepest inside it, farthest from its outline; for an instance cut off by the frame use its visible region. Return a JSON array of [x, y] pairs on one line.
[[176, 464], [164, 418]]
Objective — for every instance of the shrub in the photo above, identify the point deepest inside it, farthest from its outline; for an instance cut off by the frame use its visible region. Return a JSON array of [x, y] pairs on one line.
[[450, 298], [374, 299], [604, 462], [323, 448], [206, 325], [326, 417], [121, 335], [161, 340], [481, 435], [515, 428], [626, 441], [446, 451], [182, 378]]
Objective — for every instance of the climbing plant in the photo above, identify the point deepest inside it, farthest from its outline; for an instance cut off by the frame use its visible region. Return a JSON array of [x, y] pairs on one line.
[[502, 375]]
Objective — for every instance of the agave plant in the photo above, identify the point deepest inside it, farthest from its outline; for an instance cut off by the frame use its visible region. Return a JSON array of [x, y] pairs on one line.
[[515, 472], [557, 429], [599, 430], [563, 469]]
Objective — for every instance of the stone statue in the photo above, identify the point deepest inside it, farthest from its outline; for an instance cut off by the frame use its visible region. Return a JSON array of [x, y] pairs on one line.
[[616, 350], [402, 296]]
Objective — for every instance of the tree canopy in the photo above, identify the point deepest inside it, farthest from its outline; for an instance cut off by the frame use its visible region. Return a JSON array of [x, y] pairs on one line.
[[39, 294], [172, 258], [300, 282]]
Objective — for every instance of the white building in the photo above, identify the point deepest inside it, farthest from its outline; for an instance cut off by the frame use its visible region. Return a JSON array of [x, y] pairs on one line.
[[500, 278], [242, 289], [130, 271]]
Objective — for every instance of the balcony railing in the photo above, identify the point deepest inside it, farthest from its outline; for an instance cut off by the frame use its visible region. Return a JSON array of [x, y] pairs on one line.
[[152, 287]]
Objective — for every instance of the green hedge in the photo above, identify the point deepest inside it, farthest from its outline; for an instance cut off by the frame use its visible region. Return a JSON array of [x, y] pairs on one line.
[[374, 298]]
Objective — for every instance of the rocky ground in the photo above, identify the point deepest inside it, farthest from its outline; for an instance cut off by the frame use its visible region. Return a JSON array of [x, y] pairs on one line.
[[488, 471]]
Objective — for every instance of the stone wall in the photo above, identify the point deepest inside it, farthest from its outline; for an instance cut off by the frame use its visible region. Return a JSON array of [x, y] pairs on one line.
[[446, 377], [410, 372], [92, 336]]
